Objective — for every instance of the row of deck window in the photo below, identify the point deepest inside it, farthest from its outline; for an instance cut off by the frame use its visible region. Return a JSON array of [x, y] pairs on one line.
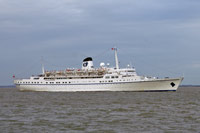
[[105, 81], [42, 82], [51, 82], [107, 77]]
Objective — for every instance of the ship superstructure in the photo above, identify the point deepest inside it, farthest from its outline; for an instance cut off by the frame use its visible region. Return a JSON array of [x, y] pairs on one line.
[[89, 78]]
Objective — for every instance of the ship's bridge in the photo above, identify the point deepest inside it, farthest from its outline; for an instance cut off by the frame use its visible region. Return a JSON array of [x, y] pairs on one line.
[[127, 71], [111, 76]]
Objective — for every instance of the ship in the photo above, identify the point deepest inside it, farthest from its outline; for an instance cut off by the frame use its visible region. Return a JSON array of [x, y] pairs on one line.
[[104, 78]]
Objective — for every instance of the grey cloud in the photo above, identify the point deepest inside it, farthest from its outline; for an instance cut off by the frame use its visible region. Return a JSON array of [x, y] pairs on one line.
[[145, 31]]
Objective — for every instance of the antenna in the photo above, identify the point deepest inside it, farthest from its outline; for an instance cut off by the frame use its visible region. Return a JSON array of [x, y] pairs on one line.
[[131, 64]]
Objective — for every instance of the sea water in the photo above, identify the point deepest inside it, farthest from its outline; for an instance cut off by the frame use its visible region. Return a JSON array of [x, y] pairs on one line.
[[112, 112]]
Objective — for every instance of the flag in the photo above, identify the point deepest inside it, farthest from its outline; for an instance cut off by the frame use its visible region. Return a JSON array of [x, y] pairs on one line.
[[113, 48]]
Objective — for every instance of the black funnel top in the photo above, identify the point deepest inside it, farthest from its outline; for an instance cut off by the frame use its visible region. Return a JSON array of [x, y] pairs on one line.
[[87, 59]]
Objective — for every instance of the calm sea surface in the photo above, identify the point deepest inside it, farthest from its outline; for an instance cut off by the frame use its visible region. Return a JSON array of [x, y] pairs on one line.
[[111, 112]]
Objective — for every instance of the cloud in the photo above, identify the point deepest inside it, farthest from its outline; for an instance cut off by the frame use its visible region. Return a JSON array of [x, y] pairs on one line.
[[148, 30], [194, 66]]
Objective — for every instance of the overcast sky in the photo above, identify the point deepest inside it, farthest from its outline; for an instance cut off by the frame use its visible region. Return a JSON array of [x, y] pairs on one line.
[[159, 37]]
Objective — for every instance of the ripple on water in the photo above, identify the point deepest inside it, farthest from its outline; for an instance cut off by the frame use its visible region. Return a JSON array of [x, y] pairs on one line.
[[100, 111]]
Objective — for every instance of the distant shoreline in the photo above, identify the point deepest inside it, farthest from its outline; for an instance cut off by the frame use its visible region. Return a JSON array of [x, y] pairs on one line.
[[7, 86], [189, 85]]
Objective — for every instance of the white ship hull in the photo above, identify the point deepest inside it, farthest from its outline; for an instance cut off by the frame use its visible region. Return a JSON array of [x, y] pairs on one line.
[[151, 85]]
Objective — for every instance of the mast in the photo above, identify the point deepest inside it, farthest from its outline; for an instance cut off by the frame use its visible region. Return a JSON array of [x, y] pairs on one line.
[[116, 58], [43, 71]]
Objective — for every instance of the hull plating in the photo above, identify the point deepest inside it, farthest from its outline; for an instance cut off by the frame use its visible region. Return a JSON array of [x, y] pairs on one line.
[[153, 85]]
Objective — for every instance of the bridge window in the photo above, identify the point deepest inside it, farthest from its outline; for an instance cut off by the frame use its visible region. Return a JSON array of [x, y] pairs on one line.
[[107, 77]]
